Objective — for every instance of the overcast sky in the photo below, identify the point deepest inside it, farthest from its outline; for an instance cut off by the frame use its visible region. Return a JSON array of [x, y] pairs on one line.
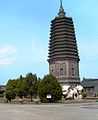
[[24, 35]]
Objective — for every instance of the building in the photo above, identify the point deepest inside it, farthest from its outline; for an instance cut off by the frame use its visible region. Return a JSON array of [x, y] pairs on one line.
[[90, 86], [63, 53], [2, 89]]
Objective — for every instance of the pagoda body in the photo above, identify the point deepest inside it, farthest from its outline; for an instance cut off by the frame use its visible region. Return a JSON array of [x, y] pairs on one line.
[[63, 53]]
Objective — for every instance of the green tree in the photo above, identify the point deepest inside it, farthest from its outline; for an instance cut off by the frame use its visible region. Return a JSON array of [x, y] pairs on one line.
[[10, 90], [22, 87], [31, 80], [83, 93], [49, 86]]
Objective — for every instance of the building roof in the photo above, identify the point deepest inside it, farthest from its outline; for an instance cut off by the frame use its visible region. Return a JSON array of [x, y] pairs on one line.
[[89, 82], [62, 43]]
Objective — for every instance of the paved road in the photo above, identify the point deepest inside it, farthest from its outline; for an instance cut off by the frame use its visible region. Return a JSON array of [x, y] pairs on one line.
[[49, 112]]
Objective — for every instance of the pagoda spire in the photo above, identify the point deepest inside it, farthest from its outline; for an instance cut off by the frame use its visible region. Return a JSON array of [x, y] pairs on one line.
[[61, 10], [61, 5]]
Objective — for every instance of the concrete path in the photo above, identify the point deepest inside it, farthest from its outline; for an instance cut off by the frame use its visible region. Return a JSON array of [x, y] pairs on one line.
[[49, 112]]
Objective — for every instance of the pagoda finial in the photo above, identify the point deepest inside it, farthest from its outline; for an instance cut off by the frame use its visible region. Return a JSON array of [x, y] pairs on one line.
[[61, 6], [61, 10]]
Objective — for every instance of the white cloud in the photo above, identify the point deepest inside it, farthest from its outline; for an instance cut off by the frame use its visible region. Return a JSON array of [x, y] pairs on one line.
[[7, 54], [6, 61]]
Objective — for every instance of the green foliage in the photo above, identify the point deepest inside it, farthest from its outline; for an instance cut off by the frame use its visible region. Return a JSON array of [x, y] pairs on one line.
[[10, 95], [10, 89], [96, 94], [31, 86], [31, 82], [84, 94], [23, 86], [49, 85]]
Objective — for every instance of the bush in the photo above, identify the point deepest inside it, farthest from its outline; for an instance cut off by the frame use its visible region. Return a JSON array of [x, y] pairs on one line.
[[84, 94], [49, 86], [10, 95]]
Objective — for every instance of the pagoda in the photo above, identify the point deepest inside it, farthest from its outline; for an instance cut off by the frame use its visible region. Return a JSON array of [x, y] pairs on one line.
[[63, 53]]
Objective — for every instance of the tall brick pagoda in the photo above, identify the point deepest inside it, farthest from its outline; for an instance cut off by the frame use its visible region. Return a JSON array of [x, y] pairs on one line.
[[63, 53]]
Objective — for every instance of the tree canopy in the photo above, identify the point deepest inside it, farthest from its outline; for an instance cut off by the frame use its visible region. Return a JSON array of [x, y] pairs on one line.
[[49, 86], [30, 86], [22, 86]]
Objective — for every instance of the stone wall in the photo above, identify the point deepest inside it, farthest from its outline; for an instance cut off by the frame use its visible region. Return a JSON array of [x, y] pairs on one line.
[[65, 71]]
